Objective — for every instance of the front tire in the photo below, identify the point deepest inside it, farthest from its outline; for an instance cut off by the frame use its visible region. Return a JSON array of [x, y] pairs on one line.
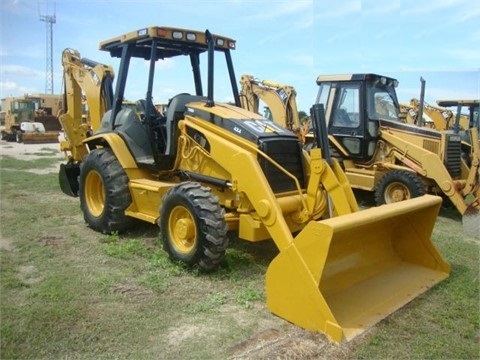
[[104, 193], [192, 226], [398, 185]]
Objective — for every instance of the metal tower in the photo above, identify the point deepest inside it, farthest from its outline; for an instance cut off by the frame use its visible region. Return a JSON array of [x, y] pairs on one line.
[[49, 21]]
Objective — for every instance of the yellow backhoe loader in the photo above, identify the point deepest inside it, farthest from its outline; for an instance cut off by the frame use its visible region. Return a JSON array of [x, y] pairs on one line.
[[31, 118], [434, 117], [398, 161], [419, 112], [462, 121], [205, 168]]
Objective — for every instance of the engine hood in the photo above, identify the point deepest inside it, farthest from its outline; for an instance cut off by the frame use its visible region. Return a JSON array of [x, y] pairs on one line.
[[413, 129], [246, 124]]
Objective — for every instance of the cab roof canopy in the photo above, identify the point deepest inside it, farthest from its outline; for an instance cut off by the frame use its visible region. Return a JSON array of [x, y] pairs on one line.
[[169, 41], [448, 103], [354, 77]]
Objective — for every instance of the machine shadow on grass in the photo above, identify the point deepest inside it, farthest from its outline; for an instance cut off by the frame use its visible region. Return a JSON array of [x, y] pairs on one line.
[[240, 254]]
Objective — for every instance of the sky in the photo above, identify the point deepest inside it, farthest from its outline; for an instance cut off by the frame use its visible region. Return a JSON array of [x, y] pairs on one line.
[[290, 42]]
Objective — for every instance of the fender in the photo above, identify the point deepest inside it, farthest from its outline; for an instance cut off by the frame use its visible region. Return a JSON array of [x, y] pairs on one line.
[[117, 144]]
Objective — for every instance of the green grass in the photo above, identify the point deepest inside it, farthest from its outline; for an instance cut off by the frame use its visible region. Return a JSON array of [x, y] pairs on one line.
[[69, 292], [443, 323], [9, 162]]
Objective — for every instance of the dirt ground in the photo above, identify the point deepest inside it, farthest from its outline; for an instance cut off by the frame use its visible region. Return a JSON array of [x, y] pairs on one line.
[[29, 152]]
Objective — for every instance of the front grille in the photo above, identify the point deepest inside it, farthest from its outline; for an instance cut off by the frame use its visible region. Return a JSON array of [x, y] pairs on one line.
[[287, 153], [453, 154], [431, 145]]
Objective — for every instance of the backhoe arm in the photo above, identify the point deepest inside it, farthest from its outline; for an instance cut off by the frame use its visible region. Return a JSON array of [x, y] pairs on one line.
[[279, 98], [85, 82]]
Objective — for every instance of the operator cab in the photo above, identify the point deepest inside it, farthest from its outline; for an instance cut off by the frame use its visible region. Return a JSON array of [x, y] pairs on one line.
[[473, 111], [354, 105], [151, 136]]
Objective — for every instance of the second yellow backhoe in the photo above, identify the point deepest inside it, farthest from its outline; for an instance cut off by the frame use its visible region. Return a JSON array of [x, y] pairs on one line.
[[206, 168], [32, 118], [398, 161]]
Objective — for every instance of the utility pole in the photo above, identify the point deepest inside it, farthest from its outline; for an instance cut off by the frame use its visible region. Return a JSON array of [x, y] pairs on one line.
[[49, 21]]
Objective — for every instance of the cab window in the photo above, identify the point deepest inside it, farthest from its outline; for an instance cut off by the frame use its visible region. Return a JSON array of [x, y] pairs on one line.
[[347, 109]]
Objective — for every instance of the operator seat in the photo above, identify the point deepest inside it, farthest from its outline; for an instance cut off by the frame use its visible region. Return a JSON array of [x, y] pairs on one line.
[[156, 124], [134, 133], [141, 105], [343, 119], [176, 109]]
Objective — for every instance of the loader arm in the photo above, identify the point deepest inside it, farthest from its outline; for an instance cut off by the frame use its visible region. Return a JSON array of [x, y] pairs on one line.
[[228, 151]]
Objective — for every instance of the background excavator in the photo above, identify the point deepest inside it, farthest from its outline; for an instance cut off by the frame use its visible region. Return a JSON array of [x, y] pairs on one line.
[[472, 107], [396, 160], [280, 100], [32, 118], [434, 117], [439, 117], [205, 168]]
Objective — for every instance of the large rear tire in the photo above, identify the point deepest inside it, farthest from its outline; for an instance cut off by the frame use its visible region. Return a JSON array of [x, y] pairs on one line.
[[104, 193], [192, 225], [398, 185]]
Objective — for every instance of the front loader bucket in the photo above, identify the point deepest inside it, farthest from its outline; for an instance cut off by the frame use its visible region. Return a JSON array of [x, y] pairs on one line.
[[40, 138], [342, 275]]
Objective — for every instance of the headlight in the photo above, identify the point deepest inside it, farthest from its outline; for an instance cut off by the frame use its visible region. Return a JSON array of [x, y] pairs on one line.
[[191, 37], [177, 35]]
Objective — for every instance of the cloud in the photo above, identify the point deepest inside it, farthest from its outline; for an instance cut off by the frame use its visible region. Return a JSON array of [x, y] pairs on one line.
[[468, 13], [371, 8], [302, 59], [281, 9], [3, 52], [11, 88], [8, 86], [465, 55], [417, 7], [165, 64], [331, 10], [432, 94], [18, 70]]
